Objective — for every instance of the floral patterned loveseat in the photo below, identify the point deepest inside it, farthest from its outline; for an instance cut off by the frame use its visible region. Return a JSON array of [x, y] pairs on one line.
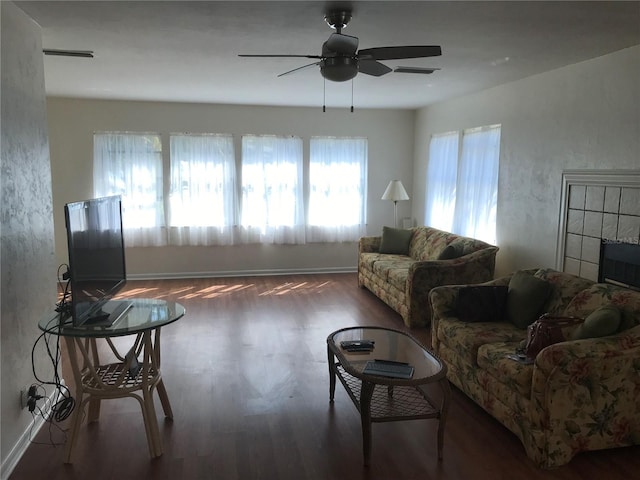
[[578, 395], [403, 280]]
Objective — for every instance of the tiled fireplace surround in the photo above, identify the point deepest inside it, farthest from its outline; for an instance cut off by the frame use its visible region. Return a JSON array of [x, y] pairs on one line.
[[596, 207]]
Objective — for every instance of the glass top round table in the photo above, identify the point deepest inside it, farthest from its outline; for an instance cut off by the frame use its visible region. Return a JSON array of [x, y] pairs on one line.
[[135, 373], [146, 314]]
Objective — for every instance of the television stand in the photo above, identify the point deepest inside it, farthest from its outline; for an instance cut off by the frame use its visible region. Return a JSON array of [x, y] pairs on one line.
[[133, 374]]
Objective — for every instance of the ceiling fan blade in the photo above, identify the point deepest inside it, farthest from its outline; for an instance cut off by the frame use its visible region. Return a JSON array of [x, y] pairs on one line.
[[407, 51], [423, 70], [68, 53], [372, 67], [342, 44], [299, 68], [283, 56]]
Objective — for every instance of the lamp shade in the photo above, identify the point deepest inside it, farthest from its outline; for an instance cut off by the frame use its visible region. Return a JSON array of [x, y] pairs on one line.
[[395, 191]]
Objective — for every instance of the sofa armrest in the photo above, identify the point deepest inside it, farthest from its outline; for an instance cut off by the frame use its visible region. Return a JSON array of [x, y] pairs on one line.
[[585, 392], [369, 244], [442, 304]]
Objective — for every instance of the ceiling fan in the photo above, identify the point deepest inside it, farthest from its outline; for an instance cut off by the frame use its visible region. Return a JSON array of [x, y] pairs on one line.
[[341, 60], [68, 53]]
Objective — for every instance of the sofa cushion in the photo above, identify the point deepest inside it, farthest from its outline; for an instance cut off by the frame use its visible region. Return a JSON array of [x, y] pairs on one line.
[[492, 357], [427, 243], [601, 294], [368, 260], [386, 263], [395, 240], [602, 322], [481, 303], [466, 338], [454, 250], [397, 276], [469, 245], [526, 298], [564, 287]]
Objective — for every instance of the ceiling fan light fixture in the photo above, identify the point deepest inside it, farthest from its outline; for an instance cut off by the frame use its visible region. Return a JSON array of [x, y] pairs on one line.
[[338, 19], [339, 69]]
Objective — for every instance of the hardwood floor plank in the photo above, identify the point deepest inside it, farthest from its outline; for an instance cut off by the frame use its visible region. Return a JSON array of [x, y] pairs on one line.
[[246, 373]]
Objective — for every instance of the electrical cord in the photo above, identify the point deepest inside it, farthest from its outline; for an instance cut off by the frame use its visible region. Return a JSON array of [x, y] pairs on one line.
[[64, 306], [52, 429], [63, 408]]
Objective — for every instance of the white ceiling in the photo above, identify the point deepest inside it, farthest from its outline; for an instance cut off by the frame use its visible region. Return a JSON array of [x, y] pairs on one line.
[[188, 51]]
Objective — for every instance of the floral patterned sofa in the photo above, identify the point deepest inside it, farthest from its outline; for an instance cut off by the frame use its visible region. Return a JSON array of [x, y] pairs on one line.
[[578, 395], [430, 257]]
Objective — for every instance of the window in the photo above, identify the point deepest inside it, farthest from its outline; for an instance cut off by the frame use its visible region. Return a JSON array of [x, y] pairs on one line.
[[442, 173], [201, 196], [337, 189], [272, 190], [468, 206], [130, 165], [204, 201]]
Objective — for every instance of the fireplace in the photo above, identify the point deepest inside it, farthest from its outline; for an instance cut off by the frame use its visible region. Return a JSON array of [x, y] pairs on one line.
[[620, 264], [600, 220]]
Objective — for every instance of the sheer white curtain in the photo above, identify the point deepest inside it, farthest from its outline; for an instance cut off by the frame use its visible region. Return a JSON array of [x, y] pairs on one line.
[[272, 190], [202, 192], [337, 189], [477, 188], [130, 165], [442, 172]]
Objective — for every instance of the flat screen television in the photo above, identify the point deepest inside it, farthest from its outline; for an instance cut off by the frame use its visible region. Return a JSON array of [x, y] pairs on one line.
[[97, 269]]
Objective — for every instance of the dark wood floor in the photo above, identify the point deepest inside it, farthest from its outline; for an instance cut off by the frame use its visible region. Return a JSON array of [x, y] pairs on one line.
[[246, 372]]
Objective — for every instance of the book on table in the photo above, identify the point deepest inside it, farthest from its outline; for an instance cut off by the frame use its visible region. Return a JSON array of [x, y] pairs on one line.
[[388, 368]]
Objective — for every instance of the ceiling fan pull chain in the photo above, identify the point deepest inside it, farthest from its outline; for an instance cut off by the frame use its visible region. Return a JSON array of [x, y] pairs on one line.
[[352, 95], [324, 95]]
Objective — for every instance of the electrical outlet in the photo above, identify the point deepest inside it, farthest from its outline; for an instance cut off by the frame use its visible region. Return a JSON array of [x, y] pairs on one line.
[[29, 395], [24, 397]]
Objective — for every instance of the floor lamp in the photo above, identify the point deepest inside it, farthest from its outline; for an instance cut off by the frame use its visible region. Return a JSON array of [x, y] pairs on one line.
[[395, 192]]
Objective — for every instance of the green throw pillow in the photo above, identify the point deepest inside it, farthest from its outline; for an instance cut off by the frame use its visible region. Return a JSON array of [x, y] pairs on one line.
[[395, 240], [454, 250], [627, 321], [526, 298], [600, 323]]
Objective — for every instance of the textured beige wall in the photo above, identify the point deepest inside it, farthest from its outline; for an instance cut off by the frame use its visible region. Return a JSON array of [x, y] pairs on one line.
[[27, 249], [583, 116], [73, 121]]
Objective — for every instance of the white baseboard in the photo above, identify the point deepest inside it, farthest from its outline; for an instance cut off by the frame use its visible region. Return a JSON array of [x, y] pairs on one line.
[[24, 441], [239, 273]]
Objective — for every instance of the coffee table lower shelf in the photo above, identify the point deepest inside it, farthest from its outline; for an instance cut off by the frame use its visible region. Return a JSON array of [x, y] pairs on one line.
[[391, 403]]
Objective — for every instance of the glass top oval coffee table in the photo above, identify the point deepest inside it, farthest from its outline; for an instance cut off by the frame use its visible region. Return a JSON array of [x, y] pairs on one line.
[[382, 398]]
